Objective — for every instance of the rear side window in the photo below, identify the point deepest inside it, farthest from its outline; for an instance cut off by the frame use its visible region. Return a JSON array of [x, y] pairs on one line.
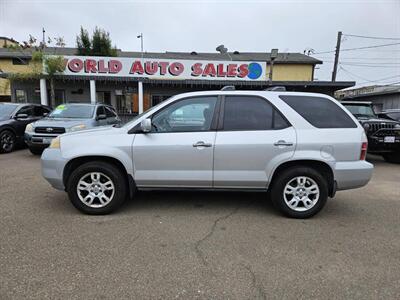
[[320, 112], [251, 113]]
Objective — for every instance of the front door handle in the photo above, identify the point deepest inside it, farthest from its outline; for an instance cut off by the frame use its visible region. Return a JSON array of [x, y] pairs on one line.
[[283, 143], [202, 144]]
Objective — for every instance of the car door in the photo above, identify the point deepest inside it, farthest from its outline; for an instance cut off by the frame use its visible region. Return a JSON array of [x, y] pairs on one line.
[[178, 152], [20, 123], [252, 135]]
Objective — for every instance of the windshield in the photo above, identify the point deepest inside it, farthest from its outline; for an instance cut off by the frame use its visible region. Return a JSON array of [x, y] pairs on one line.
[[72, 111], [360, 110], [6, 110]]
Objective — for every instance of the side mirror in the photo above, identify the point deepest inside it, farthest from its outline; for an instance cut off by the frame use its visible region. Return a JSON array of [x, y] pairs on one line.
[[45, 114], [145, 125], [21, 116], [101, 117]]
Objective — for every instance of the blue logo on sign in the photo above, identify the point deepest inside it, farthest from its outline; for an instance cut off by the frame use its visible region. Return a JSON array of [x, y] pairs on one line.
[[255, 70]]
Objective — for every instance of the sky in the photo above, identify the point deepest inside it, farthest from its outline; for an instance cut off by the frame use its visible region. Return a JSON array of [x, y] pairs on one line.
[[246, 26]]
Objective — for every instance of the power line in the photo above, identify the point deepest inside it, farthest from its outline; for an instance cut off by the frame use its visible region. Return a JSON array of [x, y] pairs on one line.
[[359, 48], [381, 79], [372, 37]]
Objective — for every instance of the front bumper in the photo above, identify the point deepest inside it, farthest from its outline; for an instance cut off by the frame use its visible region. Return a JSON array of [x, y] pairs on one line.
[[352, 174], [53, 167], [38, 140]]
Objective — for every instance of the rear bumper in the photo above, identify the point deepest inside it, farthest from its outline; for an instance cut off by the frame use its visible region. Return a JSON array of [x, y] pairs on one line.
[[53, 167], [352, 174]]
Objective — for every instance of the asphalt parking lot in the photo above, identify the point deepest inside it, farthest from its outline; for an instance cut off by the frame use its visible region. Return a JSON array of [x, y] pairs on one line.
[[196, 245]]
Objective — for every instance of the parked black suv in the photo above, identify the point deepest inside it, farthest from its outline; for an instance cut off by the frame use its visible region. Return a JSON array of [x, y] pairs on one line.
[[13, 119], [383, 134]]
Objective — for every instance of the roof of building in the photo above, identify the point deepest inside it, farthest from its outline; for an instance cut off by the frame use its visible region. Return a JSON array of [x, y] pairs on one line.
[[368, 91], [283, 58]]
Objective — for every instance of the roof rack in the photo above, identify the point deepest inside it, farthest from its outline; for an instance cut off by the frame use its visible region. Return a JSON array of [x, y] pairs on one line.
[[228, 88], [276, 89]]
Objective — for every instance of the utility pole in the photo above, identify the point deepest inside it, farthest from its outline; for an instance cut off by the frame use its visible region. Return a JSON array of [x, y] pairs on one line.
[[335, 65], [43, 38]]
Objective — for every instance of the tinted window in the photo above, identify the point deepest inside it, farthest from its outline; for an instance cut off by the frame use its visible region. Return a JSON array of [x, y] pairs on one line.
[[26, 110], [251, 113], [100, 111], [39, 111], [194, 114], [109, 113], [394, 115], [320, 112]]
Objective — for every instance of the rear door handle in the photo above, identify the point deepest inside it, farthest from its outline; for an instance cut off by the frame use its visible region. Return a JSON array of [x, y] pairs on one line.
[[202, 144], [283, 143]]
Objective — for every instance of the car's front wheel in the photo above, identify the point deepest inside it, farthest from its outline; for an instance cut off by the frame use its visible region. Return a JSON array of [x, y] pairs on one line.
[[299, 192], [97, 188], [7, 141], [36, 151], [392, 157]]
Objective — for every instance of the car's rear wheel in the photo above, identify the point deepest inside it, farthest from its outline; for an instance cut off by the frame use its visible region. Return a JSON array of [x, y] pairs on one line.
[[392, 157], [299, 192], [36, 151], [7, 141], [97, 188]]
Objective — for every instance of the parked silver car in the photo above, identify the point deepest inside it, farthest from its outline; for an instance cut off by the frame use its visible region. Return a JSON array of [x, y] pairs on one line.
[[301, 147], [67, 118]]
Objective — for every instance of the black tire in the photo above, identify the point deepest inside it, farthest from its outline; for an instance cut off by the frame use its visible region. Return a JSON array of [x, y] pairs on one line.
[[7, 141], [392, 158], [112, 172], [285, 177], [36, 151]]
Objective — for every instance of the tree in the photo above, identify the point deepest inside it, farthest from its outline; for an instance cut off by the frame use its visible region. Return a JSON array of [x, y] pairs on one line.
[[43, 64], [99, 44]]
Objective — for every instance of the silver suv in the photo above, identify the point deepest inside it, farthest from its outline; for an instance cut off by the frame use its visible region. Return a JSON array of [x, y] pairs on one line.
[[300, 147]]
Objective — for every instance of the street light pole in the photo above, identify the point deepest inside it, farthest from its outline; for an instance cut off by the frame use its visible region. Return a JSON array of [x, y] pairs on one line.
[[274, 55]]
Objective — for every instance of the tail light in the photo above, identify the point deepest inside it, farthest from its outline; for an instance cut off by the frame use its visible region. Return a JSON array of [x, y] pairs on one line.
[[364, 147]]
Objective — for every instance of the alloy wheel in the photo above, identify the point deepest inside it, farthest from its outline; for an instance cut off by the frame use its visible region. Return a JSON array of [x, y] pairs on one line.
[[7, 141], [95, 189], [301, 193]]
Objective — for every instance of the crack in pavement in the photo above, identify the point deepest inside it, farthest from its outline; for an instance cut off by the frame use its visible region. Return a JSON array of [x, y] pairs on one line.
[[255, 284], [209, 234]]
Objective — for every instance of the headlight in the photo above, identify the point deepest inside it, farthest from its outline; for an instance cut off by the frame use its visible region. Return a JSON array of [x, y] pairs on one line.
[[77, 127], [366, 127], [29, 128], [55, 143]]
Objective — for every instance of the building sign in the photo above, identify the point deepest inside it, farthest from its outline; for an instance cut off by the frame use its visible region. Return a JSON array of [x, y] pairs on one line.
[[154, 68]]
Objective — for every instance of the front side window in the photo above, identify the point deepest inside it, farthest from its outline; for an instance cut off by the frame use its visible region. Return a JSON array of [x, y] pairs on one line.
[[251, 113], [193, 114], [28, 110], [320, 112], [71, 111], [110, 113], [39, 111]]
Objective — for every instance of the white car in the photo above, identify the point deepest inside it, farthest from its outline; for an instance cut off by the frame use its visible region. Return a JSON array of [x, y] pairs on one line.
[[302, 147]]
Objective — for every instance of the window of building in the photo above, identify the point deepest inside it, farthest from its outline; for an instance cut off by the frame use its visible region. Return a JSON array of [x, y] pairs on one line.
[[319, 111], [251, 113], [156, 99], [192, 114], [20, 96], [20, 61], [103, 97]]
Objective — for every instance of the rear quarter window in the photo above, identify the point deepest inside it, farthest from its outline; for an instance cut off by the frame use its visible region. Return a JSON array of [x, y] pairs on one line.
[[320, 112]]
